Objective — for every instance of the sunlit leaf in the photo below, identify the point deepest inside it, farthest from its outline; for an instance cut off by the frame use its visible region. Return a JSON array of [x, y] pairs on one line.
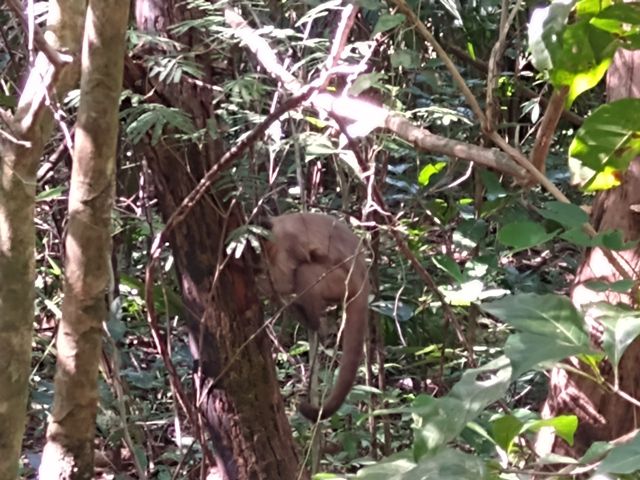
[[609, 137]]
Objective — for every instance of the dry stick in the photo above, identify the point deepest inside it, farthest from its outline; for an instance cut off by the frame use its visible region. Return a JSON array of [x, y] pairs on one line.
[[494, 136], [547, 128]]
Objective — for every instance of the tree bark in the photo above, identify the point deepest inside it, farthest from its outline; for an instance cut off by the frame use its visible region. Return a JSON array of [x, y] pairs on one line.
[[603, 415], [21, 145], [68, 453], [242, 404]]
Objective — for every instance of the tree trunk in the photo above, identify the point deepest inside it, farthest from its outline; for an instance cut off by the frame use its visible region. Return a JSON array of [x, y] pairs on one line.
[[242, 404], [602, 415], [21, 146], [68, 453]]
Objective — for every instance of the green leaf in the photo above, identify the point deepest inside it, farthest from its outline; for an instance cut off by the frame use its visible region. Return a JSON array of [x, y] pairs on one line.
[[387, 22], [505, 429], [545, 30], [530, 351], [50, 194], [578, 237], [609, 138], [589, 8], [553, 316], [622, 19], [492, 184], [480, 387], [564, 425], [405, 58], [389, 468], [437, 421], [623, 459], [374, 5], [446, 464], [614, 240], [621, 327], [619, 286], [365, 82], [424, 177], [448, 265], [575, 55], [566, 214], [522, 235]]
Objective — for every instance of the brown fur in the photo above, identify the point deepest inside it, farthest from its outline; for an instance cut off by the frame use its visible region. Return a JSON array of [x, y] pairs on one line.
[[318, 258]]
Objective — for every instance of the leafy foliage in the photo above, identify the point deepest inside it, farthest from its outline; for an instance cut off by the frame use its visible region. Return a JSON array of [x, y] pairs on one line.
[[501, 259]]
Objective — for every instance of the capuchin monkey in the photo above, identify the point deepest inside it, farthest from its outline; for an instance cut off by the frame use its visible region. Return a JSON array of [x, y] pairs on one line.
[[320, 260]]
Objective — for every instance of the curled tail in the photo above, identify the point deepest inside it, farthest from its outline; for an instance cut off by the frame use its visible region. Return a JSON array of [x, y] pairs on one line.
[[353, 337]]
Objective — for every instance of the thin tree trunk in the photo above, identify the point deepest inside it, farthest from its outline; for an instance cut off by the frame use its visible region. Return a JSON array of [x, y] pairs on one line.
[[68, 453], [241, 400], [21, 146], [603, 415]]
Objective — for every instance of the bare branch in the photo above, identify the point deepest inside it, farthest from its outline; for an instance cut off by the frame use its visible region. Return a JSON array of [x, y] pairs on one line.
[[547, 128]]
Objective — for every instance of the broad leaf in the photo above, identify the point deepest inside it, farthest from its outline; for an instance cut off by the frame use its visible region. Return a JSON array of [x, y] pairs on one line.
[[480, 387], [523, 235], [553, 316], [446, 464], [564, 425], [529, 351], [428, 171], [575, 55], [608, 139], [505, 429], [622, 459], [621, 327], [566, 214], [387, 22]]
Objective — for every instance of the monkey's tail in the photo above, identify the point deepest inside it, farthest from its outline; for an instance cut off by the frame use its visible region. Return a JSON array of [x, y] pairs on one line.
[[353, 337]]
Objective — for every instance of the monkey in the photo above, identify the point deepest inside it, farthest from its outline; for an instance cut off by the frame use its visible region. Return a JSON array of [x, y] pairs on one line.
[[319, 259]]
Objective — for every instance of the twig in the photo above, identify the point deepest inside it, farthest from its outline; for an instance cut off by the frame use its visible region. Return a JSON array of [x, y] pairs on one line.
[[347, 19]]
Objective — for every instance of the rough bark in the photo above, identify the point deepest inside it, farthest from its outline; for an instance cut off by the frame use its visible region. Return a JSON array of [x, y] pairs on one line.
[[68, 453], [20, 149], [243, 409], [602, 415]]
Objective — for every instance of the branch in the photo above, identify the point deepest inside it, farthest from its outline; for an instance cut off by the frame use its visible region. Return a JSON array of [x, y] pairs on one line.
[[547, 128], [365, 116], [442, 54]]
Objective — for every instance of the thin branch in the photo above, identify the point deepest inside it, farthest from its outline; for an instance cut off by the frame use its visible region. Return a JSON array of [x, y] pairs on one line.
[[444, 57], [547, 128], [347, 19]]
